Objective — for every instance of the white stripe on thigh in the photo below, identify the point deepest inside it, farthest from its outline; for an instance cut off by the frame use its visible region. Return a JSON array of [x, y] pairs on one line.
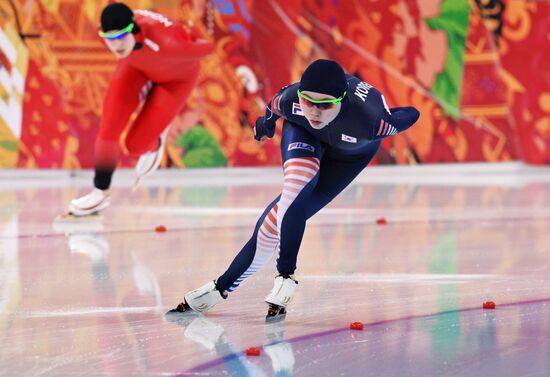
[[298, 172]]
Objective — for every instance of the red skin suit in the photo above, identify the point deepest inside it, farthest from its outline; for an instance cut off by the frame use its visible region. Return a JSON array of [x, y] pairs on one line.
[[162, 71]]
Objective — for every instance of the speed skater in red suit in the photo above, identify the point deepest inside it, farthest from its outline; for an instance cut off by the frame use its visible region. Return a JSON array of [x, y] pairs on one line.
[[158, 63]]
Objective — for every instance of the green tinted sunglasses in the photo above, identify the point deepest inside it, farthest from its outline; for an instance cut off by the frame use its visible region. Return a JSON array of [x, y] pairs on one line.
[[322, 104], [117, 34]]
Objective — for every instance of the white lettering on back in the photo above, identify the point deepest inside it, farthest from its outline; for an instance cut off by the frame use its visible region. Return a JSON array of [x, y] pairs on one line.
[[362, 89], [155, 16]]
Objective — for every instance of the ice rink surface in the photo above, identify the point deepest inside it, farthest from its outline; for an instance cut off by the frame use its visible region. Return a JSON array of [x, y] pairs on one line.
[[88, 298]]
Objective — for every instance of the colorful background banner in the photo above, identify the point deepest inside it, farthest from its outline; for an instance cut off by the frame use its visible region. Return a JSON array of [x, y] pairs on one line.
[[474, 69]]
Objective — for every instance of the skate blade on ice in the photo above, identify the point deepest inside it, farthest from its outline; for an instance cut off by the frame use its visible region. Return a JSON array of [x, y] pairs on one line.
[[180, 313], [275, 313], [136, 184], [69, 223]]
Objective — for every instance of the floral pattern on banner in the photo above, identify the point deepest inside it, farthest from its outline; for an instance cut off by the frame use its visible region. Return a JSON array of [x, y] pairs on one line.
[[462, 63]]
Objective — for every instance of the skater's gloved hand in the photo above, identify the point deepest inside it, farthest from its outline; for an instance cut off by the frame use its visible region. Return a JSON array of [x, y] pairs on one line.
[[263, 129]]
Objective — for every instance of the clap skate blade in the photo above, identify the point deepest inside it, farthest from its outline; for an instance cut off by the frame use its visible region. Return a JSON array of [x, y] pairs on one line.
[[275, 313], [69, 216], [181, 311], [69, 223]]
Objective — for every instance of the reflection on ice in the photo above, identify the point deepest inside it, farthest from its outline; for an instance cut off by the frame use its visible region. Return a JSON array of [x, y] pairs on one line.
[[91, 300]]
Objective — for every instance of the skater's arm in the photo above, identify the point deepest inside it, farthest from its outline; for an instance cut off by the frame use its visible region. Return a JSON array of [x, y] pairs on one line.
[[265, 125], [172, 39], [194, 50], [191, 48], [181, 44], [397, 120], [402, 117]]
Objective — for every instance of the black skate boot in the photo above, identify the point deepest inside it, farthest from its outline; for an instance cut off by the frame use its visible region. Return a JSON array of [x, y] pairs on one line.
[[181, 311]]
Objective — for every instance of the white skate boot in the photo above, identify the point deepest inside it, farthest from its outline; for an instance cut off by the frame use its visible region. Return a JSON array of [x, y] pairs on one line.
[[90, 204], [200, 300], [150, 161], [281, 294]]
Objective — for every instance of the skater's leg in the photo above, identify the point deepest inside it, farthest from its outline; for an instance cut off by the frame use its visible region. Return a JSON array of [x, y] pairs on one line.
[[301, 164], [300, 174], [121, 100], [162, 105], [300, 178], [147, 136], [123, 97], [255, 253], [335, 176], [300, 153]]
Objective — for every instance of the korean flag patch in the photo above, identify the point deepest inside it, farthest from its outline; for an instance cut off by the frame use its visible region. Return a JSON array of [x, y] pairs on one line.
[[349, 139], [297, 109]]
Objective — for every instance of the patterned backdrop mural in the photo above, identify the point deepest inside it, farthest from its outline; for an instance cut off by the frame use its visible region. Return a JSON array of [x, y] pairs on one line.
[[474, 68]]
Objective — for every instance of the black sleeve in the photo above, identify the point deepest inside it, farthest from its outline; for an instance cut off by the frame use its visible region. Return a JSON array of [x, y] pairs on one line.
[[398, 119], [275, 108], [270, 115]]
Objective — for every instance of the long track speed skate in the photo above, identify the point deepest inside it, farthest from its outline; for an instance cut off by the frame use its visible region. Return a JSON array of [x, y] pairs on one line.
[[275, 313], [279, 297], [84, 212], [149, 162], [69, 223]]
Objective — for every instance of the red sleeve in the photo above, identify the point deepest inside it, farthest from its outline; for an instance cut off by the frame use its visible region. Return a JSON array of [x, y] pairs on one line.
[[173, 37], [192, 48]]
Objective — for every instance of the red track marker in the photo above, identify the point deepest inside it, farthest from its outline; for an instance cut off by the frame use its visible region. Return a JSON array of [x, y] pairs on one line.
[[381, 221], [253, 351]]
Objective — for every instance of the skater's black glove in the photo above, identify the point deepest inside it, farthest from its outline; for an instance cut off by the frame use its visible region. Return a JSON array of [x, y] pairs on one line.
[[263, 129]]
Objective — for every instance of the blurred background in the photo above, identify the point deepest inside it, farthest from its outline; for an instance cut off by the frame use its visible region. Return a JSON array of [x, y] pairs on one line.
[[474, 68], [89, 301]]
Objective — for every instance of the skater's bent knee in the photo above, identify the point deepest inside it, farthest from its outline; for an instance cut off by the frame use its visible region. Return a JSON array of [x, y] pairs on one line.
[[136, 146]]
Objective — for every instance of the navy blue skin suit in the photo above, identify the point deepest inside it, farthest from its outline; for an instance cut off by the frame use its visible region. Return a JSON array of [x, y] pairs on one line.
[[318, 165]]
